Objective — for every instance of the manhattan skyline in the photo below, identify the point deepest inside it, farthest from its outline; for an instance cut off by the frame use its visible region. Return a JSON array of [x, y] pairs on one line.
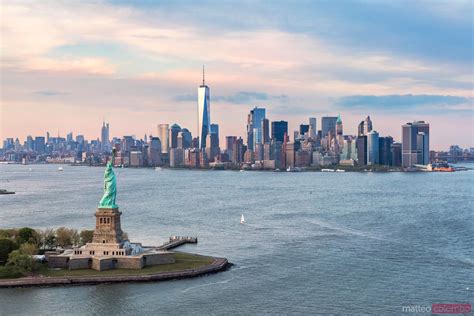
[[138, 66]]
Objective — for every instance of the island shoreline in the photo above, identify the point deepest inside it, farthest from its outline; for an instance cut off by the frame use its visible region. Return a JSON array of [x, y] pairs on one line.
[[218, 265]]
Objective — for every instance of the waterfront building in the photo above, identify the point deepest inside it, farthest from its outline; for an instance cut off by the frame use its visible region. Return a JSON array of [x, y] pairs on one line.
[[254, 126], [174, 131], [302, 158], [396, 154], [290, 153], [163, 135], [279, 129], [415, 149], [238, 151], [176, 157], [361, 147], [204, 112], [136, 158], [373, 148], [154, 152], [385, 150], [328, 125]]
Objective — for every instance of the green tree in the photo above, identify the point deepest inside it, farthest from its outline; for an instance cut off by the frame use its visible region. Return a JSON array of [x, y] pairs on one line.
[[27, 234], [6, 246], [20, 260], [86, 236]]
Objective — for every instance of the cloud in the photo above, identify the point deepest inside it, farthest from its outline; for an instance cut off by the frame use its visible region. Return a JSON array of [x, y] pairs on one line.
[[241, 97], [405, 102], [50, 93]]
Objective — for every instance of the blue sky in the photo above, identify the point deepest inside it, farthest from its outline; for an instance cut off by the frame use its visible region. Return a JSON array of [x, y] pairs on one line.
[[138, 63]]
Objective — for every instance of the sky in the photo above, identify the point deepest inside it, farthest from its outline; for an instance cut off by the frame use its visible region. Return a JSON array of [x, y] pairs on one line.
[[68, 65]]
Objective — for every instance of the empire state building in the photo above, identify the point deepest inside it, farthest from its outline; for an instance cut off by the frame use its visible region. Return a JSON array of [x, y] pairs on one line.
[[204, 112]]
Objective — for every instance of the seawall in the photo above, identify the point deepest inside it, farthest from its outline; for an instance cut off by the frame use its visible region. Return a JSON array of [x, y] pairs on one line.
[[219, 264]]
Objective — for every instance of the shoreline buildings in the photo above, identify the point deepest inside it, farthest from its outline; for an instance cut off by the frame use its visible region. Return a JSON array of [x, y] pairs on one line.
[[267, 145]]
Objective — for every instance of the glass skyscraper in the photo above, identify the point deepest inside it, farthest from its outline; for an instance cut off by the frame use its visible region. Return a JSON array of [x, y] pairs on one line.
[[373, 148], [254, 127], [328, 124], [204, 112]]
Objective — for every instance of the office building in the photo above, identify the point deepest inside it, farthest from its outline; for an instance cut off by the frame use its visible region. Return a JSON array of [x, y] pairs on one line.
[[163, 135], [204, 112], [373, 148], [415, 149], [328, 125], [254, 127], [279, 130], [385, 150]]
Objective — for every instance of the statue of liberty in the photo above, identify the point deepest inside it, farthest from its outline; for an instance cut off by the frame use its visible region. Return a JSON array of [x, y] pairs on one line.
[[110, 186]]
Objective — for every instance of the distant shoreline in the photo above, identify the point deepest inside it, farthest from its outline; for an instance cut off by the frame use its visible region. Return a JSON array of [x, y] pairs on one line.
[[334, 168], [218, 265]]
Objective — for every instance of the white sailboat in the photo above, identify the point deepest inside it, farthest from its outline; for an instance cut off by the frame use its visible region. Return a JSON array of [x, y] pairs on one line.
[[60, 169], [242, 219]]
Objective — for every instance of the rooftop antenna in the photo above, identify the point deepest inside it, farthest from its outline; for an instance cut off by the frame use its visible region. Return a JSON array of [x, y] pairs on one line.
[[203, 75]]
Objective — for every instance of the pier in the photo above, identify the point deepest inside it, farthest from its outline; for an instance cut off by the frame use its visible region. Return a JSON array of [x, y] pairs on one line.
[[176, 241]]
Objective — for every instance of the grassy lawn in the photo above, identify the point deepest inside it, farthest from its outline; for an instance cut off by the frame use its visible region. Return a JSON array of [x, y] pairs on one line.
[[183, 261]]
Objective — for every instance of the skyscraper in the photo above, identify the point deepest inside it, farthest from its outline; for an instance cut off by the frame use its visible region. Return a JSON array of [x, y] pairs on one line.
[[312, 127], [415, 149], [279, 129], [266, 131], [163, 135], [385, 150], [154, 152], [328, 124], [174, 131], [105, 139], [367, 125], [254, 127], [204, 112], [373, 148]]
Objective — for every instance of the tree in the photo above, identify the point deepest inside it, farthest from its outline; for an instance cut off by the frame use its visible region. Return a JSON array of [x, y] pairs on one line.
[[28, 249], [6, 246], [20, 260], [47, 238], [27, 234], [86, 236], [67, 237]]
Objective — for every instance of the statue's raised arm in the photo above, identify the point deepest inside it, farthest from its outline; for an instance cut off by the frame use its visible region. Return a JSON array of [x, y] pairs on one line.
[[110, 185]]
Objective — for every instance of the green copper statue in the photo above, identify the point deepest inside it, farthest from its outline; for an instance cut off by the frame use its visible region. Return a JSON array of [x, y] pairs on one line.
[[110, 186]]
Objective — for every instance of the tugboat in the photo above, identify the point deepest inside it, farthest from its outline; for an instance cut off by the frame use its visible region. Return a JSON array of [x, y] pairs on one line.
[[3, 191]]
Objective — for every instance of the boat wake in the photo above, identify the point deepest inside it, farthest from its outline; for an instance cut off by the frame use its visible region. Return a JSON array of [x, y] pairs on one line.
[[207, 284]]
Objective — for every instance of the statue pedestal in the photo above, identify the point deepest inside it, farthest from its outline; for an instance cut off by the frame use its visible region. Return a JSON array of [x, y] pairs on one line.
[[107, 226]]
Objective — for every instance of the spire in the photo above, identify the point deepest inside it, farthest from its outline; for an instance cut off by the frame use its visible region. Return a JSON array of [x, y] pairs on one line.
[[203, 81]]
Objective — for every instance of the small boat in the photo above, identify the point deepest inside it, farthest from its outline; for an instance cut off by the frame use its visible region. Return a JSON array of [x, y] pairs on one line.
[[31, 169], [60, 169], [242, 219], [340, 170], [158, 169], [327, 170], [2, 191]]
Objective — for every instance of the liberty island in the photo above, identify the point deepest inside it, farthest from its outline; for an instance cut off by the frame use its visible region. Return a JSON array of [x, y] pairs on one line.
[[110, 250]]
